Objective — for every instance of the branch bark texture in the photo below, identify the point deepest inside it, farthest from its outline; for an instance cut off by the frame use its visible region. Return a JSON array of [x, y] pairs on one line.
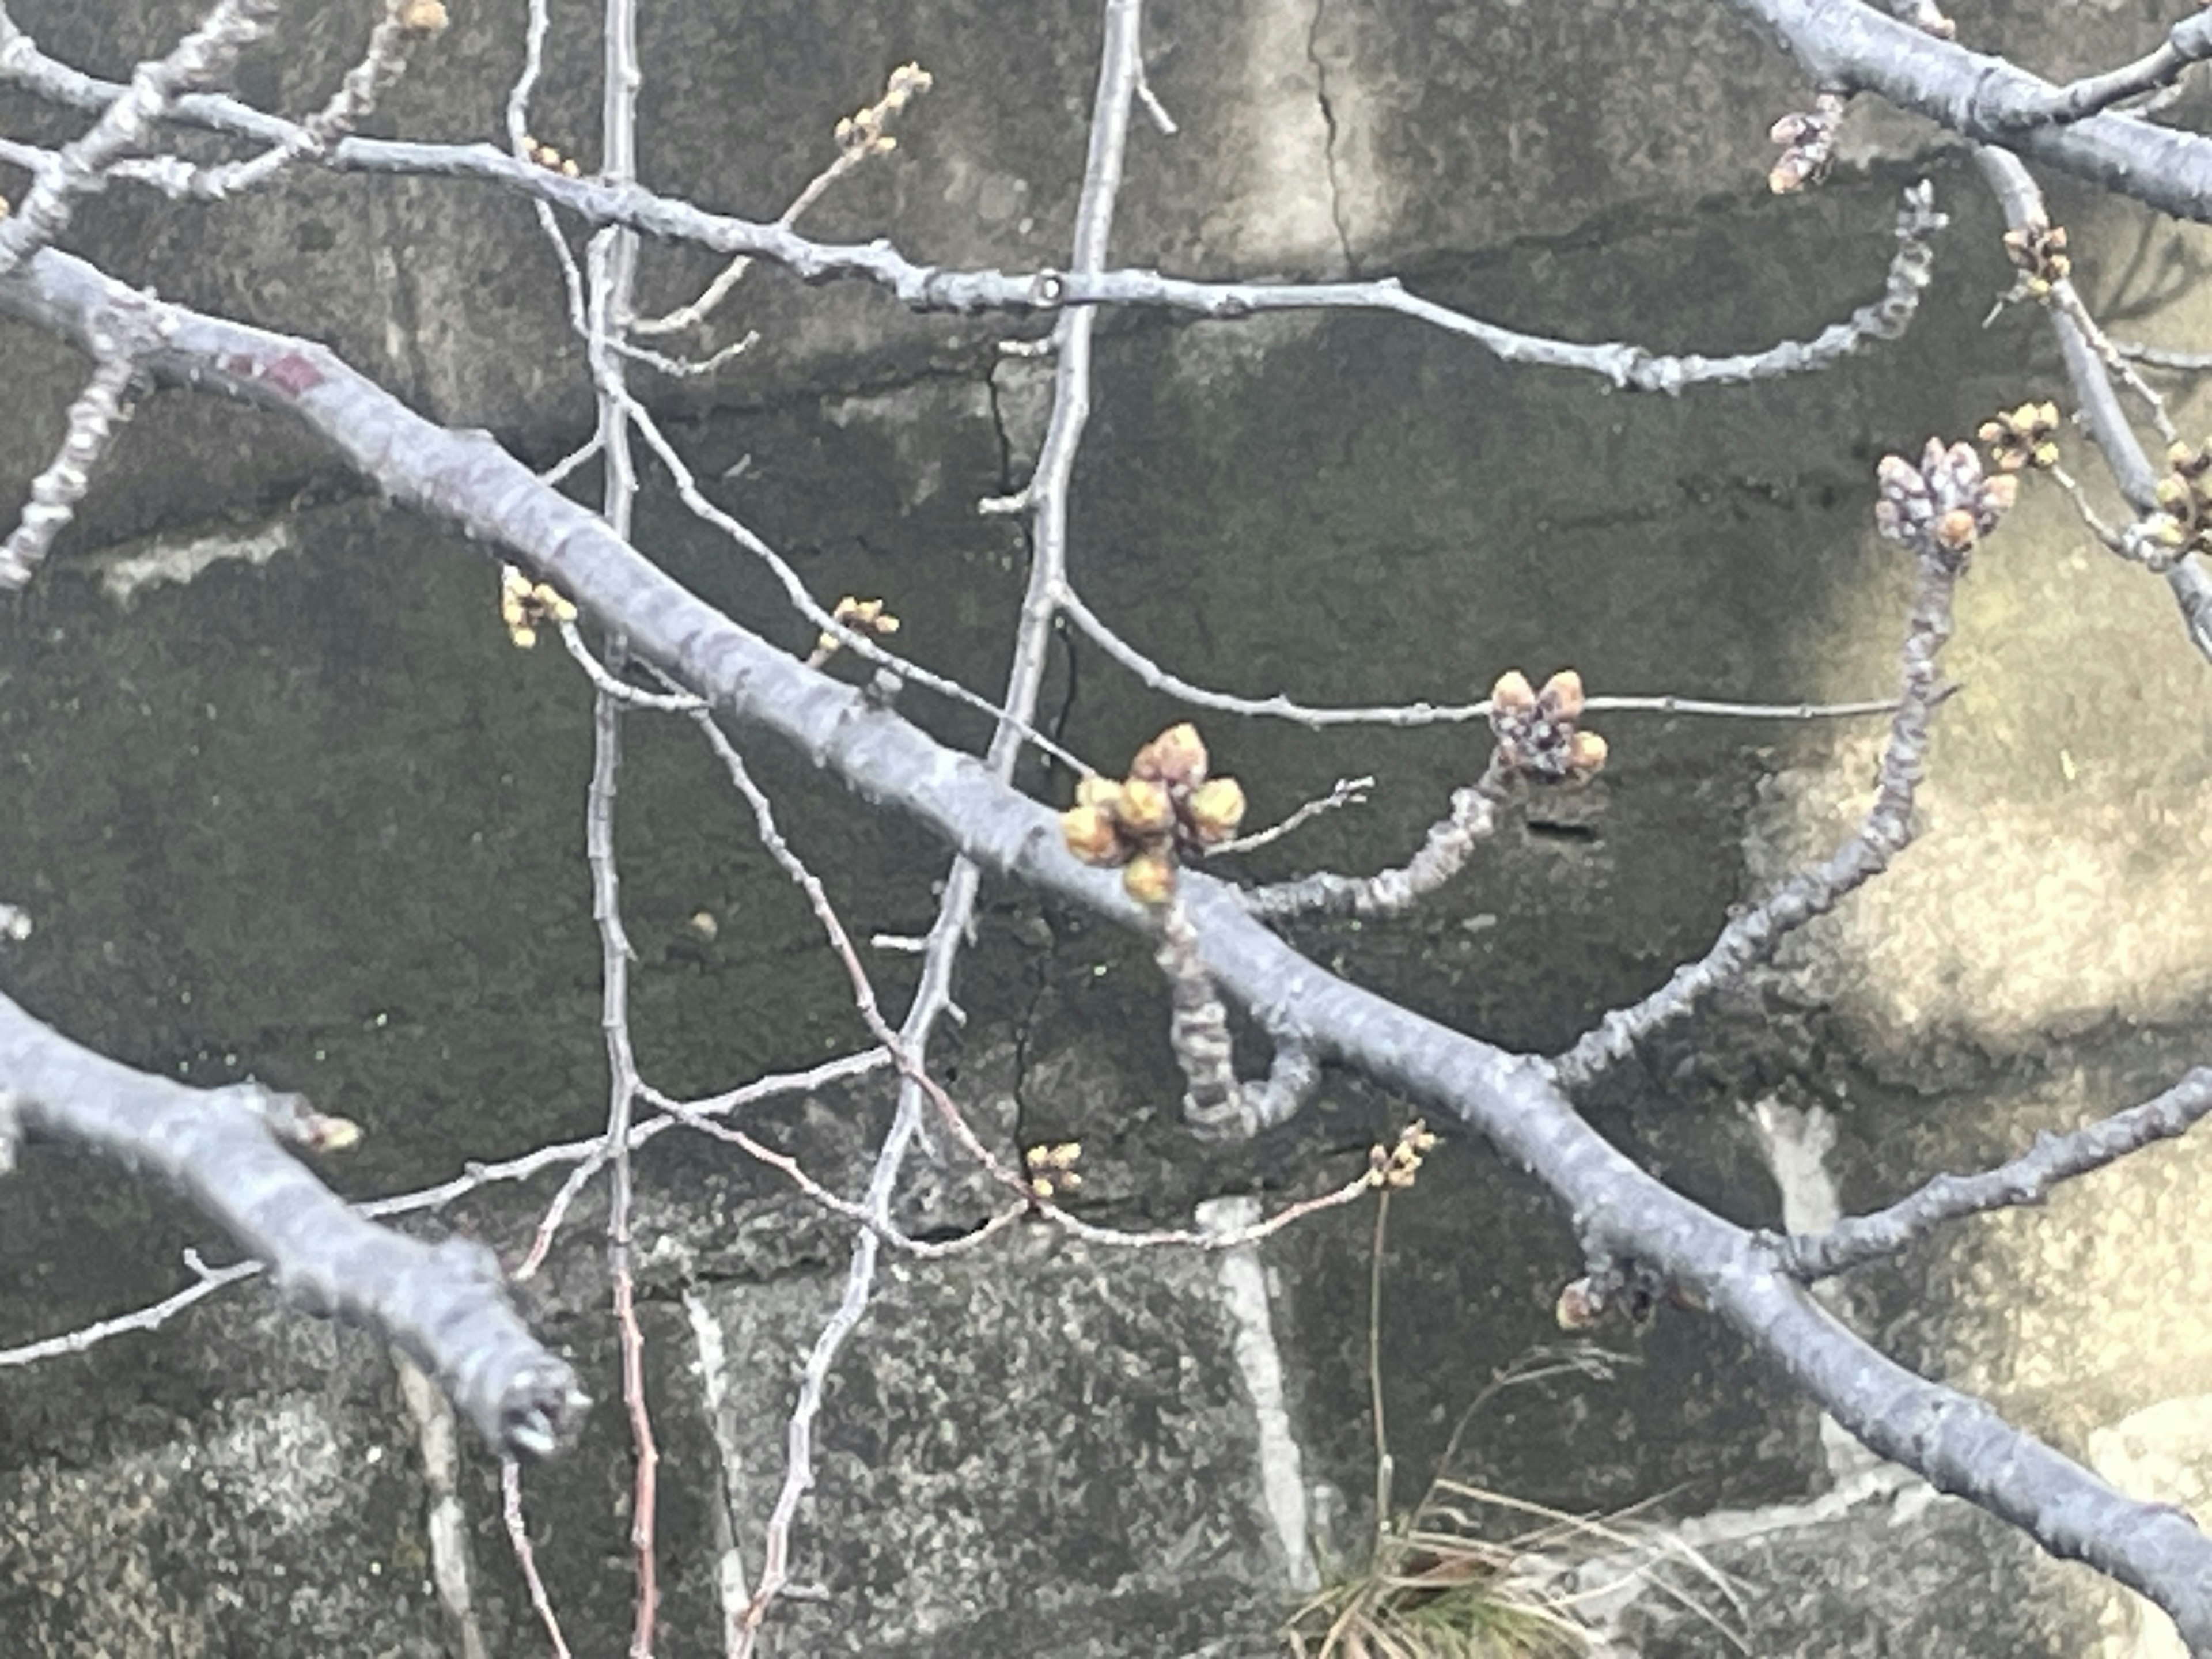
[[1959, 1443]]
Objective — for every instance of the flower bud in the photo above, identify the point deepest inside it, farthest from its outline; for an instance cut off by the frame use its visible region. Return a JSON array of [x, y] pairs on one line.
[[1099, 790], [1512, 694], [1586, 753], [1215, 808], [1089, 835], [1145, 808], [1562, 697], [1954, 532], [1150, 878], [1579, 1306], [1177, 758]]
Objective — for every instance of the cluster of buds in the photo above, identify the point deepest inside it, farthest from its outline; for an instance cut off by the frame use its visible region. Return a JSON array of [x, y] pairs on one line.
[[862, 616], [1143, 824], [1538, 732], [550, 158], [1944, 505], [1393, 1167], [525, 606], [420, 16], [2024, 437], [1052, 1169], [1807, 138], [2038, 251], [2182, 522], [863, 134]]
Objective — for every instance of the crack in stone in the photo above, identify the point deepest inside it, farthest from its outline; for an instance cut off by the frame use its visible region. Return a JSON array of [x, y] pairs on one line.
[[1328, 143]]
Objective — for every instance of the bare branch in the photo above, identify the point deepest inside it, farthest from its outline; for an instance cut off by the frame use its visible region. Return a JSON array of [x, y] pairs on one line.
[[126, 122], [1847, 43], [2102, 415], [2027, 1179], [94, 420], [1451, 842], [1959, 1443], [440, 1305], [2188, 41], [1951, 495], [925, 287]]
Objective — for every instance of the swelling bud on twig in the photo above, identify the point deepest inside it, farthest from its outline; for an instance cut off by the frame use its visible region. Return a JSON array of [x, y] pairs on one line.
[[2038, 251], [1090, 834], [1943, 508], [1177, 758], [1537, 732], [1215, 808], [2023, 438], [525, 606], [1150, 878], [1145, 808], [1145, 823]]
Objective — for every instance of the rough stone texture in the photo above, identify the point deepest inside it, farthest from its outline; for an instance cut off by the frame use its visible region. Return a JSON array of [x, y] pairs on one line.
[[976, 1490], [1902, 1573], [313, 819], [284, 1517]]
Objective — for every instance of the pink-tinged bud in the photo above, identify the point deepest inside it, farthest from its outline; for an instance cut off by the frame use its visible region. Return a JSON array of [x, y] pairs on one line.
[[1562, 697], [1177, 758], [1579, 1307], [1586, 753], [1955, 532]]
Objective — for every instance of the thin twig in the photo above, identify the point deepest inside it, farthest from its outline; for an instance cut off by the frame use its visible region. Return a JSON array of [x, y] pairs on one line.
[[603, 202], [1451, 840], [2027, 1179], [1886, 831], [518, 1535], [126, 121], [94, 420], [2188, 41]]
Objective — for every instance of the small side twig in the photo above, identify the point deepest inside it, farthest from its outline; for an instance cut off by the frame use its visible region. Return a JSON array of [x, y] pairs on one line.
[[2188, 41], [200, 60], [1451, 843], [1345, 792], [1940, 509], [2027, 1179], [95, 418], [518, 1535]]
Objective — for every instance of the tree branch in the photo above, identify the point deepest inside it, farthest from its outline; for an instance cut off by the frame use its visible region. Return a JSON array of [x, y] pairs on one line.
[[2027, 1179], [623, 203], [1959, 1443], [1844, 42], [440, 1305]]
